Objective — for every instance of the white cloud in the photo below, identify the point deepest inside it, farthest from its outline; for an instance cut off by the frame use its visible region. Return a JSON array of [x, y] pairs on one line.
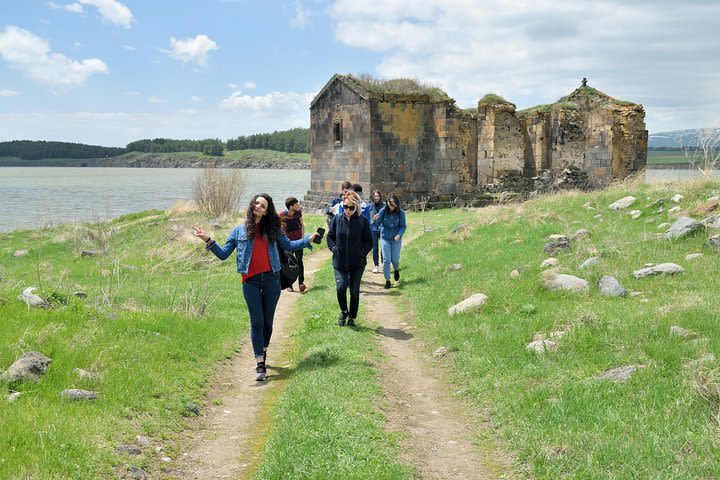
[[269, 104], [249, 85], [74, 8], [156, 100], [129, 48], [301, 18], [8, 93], [192, 49], [30, 54], [195, 99], [112, 11], [132, 93], [535, 52], [54, 5], [232, 86]]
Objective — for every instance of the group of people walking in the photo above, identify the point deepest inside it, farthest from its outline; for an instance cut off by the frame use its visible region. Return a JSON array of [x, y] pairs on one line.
[[354, 230]]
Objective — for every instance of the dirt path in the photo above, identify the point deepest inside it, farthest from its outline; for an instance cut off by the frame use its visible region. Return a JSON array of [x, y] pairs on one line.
[[438, 433], [232, 419]]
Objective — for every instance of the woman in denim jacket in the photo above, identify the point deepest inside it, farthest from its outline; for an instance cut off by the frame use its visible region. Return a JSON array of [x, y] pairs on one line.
[[391, 221], [374, 208], [259, 267]]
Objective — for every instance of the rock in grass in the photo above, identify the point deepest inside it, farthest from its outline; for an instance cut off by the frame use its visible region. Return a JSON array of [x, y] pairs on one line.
[[610, 286], [589, 263], [658, 203], [635, 214], [455, 267], [128, 450], [20, 253], [561, 281], [93, 253], [708, 206], [85, 375], [714, 241], [31, 299], [29, 367], [619, 374], [713, 221], [192, 409], [515, 273], [541, 346], [693, 256], [549, 262], [552, 247], [475, 301], [440, 352], [581, 234], [80, 294], [78, 394], [681, 332], [683, 227], [136, 473], [623, 203], [677, 198], [661, 269], [13, 396]]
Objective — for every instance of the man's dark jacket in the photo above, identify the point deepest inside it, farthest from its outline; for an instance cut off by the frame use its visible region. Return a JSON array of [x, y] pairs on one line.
[[350, 241]]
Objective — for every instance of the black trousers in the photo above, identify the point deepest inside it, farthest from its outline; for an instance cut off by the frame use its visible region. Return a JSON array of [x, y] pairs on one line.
[[343, 282]]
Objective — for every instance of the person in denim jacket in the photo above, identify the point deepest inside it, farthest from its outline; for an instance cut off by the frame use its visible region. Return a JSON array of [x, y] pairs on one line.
[[391, 221], [258, 261], [374, 208]]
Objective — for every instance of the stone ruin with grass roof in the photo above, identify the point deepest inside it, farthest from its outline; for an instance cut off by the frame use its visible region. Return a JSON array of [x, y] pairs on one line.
[[400, 136]]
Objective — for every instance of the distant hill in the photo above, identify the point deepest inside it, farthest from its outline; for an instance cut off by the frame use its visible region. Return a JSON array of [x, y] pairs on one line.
[[675, 139]]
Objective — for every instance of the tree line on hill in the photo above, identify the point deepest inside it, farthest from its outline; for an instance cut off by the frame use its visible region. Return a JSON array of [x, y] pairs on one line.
[[296, 140]]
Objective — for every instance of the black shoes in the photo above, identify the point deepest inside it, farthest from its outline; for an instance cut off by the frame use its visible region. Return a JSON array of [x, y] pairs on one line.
[[387, 284], [351, 322], [260, 372], [397, 275], [341, 319]]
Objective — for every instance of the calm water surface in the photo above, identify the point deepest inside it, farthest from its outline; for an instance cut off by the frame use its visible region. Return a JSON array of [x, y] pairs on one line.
[[36, 196]]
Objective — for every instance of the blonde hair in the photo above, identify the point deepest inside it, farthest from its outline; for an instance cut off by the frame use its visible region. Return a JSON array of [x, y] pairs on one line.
[[354, 198]]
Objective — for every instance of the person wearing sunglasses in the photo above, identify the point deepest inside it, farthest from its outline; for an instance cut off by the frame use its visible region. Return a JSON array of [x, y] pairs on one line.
[[350, 241], [391, 222]]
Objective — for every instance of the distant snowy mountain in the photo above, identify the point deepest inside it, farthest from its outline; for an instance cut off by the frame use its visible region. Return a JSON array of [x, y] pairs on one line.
[[675, 138]]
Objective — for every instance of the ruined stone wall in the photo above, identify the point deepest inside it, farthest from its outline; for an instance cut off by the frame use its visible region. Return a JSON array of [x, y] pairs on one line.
[[331, 162], [453, 169], [567, 139], [537, 145], [630, 139], [500, 142], [599, 138], [402, 145]]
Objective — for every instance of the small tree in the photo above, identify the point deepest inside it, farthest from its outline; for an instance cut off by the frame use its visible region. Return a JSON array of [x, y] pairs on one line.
[[218, 191], [705, 154]]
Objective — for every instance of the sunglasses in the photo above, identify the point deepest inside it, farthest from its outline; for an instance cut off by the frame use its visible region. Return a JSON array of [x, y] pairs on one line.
[[349, 208]]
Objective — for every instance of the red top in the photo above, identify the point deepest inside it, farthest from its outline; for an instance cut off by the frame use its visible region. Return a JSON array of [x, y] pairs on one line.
[[260, 259]]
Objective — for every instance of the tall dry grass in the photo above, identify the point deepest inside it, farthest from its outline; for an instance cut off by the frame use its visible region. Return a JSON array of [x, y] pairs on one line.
[[217, 191]]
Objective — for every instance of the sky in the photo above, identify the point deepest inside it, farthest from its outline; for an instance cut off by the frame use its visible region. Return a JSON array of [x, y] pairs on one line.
[[108, 72]]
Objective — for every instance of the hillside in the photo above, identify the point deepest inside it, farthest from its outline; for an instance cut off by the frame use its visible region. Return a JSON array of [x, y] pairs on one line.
[[677, 138]]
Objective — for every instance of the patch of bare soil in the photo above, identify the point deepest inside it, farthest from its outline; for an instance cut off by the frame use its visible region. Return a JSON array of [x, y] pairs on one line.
[[437, 430], [226, 443]]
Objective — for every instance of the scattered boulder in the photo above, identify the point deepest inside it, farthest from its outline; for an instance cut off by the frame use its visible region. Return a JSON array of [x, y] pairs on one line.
[[29, 367], [32, 299], [581, 234], [713, 221], [674, 209], [555, 246], [714, 241], [85, 375], [541, 346], [623, 203], [12, 396], [597, 217], [93, 253], [440, 352], [707, 207], [681, 332], [549, 262], [662, 269], [561, 281], [192, 409], [693, 256], [677, 198], [20, 253], [619, 374], [476, 300], [683, 227], [635, 214], [143, 440], [558, 237], [128, 450], [78, 394], [610, 286], [664, 225], [589, 263], [659, 203], [515, 273], [455, 266], [80, 294], [136, 473]]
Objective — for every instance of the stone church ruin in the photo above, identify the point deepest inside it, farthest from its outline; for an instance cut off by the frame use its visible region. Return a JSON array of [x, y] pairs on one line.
[[399, 136]]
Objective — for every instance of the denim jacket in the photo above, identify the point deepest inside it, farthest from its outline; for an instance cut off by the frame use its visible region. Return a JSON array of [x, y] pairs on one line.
[[391, 223], [374, 210], [238, 240]]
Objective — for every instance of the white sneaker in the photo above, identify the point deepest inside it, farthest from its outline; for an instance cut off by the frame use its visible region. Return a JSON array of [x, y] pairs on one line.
[[375, 270]]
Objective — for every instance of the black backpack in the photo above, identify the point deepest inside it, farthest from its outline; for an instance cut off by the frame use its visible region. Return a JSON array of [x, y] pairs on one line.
[[289, 268]]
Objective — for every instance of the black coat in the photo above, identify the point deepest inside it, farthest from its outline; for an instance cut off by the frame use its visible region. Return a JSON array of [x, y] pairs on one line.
[[350, 242]]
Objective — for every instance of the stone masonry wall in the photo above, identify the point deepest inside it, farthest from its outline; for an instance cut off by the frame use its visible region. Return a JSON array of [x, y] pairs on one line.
[[537, 141], [630, 141], [500, 147], [566, 139], [454, 167]]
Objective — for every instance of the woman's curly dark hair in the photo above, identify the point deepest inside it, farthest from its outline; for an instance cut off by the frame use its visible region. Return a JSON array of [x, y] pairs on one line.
[[270, 222]]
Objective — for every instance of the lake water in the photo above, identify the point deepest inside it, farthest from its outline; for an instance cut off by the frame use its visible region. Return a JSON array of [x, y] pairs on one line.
[[43, 196], [37, 196]]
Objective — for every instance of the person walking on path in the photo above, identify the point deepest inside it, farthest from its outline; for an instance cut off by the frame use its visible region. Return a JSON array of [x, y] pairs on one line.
[[333, 209], [258, 261], [391, 221], [374, 208], [350, 241], [293, 227]]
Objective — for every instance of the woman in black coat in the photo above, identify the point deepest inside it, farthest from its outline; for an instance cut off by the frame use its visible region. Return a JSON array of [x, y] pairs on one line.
[[350, 240]]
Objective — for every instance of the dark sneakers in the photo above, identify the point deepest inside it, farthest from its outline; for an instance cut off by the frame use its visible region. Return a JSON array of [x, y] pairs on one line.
[[397, 275], [260, 372], [387, 284], [351, 322], [341, 319]]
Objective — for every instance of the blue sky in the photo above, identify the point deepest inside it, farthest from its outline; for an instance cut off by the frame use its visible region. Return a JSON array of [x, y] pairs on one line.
[[112, 71]]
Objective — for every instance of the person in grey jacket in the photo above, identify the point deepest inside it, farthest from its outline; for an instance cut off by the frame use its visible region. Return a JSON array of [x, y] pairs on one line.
[[258, 261], [350, 241]]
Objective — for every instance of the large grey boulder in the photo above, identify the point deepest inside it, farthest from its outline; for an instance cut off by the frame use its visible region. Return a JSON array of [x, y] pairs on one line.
[[592, 261], [619, 374], [29, 367], [472, 302], [683, 227], [78, 394], [562, 281], [661, 269], [623, 203], [713, 221], [541, 346], [610, 286], [714, 241], [31, 299]]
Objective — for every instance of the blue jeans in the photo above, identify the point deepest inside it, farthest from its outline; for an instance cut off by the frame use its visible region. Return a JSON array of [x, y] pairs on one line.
[[376, 248], [391, 253], [345, 280], [261, 293]]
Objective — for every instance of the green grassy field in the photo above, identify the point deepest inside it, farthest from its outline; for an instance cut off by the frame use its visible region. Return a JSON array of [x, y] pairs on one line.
[[658, 157], [159, 317]]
